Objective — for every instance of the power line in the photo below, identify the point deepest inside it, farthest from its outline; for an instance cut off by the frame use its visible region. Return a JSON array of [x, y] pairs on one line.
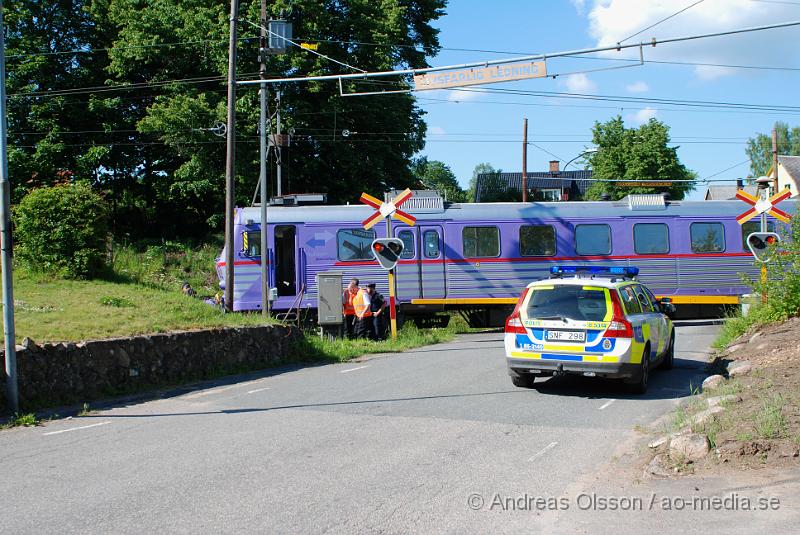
[[662, 20]]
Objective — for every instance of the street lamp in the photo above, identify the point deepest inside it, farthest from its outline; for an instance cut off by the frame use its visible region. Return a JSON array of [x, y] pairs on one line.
[[591, 150]]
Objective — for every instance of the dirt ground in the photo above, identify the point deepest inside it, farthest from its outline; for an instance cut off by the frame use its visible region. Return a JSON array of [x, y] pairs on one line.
[[763, 429], [760, 426]]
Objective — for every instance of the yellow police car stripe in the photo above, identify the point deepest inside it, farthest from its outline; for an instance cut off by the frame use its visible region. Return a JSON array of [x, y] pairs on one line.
[[586, 358]]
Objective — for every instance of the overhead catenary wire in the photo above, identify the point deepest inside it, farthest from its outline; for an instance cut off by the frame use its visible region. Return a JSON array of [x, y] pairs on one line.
[[660, 21], [536, 57]]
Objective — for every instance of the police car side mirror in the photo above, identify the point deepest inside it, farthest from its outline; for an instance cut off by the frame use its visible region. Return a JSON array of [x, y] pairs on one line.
[[666, 306]]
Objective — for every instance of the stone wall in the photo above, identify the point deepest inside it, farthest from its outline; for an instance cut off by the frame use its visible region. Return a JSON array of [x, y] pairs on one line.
[[65, 373]]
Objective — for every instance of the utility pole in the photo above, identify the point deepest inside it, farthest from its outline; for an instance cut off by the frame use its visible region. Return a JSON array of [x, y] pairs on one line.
[[230, 157], [525, 159], [262, 55], [5, 239], [279, 147], [774, 160]]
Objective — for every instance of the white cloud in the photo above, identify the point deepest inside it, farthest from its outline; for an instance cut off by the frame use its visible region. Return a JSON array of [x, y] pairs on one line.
[[579, 5], [611, 21], [642, 116], [637, 87], [577, 83], [462, 95], [436, 130]]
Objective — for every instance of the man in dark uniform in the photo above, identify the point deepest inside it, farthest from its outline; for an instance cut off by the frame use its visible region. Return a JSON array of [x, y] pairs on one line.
[[377, 306]]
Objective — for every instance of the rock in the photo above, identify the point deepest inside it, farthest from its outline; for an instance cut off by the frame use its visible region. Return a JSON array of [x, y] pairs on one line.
[[704, 416], [688, 447], [29, 344], [754, 337], [713, 381], [719, 400], [761, 347], [658, 467], [735, 347], [740, 368], [662, 440]]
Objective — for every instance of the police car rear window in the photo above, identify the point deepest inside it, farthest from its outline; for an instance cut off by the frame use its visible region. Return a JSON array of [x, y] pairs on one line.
[[577, 303]]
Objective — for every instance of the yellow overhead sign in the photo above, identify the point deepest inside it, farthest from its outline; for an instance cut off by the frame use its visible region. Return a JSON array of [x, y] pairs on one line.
[[480, 75], [309, 46]]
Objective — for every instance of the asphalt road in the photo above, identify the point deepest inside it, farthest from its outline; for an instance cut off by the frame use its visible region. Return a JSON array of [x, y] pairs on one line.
[[394, 444]]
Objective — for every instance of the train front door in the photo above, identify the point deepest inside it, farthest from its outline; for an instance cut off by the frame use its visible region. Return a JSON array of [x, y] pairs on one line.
[[285, 272], [431, 258]]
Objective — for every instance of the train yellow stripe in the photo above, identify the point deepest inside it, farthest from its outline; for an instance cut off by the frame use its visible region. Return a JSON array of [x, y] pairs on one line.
[[466, 301]]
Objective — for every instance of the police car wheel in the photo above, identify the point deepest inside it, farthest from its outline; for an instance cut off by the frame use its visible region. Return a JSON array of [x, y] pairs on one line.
[[640, 384], [669, 356], [523, 381]]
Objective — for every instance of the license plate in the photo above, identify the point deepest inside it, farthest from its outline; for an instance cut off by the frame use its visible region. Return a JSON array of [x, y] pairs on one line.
[[565, 336]]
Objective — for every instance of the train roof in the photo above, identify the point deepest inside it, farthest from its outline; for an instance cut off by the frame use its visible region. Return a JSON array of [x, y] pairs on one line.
[[509, 210]]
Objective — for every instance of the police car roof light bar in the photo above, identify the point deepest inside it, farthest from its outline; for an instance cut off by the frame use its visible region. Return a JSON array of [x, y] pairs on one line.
[[608, 271]]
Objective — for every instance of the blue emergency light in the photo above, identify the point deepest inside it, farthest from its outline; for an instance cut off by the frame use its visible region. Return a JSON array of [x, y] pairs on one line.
[[626, 271]]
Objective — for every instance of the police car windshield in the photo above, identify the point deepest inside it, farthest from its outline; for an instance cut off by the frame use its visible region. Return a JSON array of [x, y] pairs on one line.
[[571, 302]]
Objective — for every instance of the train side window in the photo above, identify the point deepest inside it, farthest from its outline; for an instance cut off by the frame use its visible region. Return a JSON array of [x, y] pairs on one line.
[[593, 239], [408, 243], [537, 240], [754, 226], [354, 244], [651, 238], [251, 243], [707, 237], [481, 242], [431, 240]]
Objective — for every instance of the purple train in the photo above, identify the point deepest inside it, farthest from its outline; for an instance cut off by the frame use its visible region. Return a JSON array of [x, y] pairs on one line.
[[476, 257]]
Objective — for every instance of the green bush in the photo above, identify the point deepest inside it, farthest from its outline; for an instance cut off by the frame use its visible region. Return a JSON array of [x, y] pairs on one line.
[[62, 230]]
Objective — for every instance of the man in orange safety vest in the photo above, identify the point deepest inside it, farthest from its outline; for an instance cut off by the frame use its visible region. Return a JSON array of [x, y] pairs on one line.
[[347, 307], [362, 304]]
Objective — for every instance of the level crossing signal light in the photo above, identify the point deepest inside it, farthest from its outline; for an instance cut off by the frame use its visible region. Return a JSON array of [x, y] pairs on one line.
[[760, 242], [387, 251]]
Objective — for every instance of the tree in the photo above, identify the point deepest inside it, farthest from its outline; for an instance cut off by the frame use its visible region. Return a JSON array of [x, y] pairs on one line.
[[759, 148], [437, 175], [384, 131], [635, 154], [481, 168], [62, 230]]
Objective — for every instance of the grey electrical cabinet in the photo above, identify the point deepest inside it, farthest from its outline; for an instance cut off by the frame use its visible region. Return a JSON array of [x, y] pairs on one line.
[[329, 298]]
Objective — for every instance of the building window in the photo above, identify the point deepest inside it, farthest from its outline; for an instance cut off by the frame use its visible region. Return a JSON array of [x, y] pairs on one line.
[[593, 239], [651, 238], [354, 244], [707, 237], [551, 194], [754, 226], [408, 243], [537, 240], [481, 242]]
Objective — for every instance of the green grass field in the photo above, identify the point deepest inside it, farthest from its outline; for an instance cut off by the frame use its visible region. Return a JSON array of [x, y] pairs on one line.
[[53, 310]]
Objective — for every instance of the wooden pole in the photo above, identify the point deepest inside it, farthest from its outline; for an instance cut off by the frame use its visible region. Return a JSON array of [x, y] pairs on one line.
[[230, 157], [525, 160], [774, 160]]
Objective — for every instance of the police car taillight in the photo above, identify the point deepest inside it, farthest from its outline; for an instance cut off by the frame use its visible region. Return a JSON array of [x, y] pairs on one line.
[[513, 322], [619, 326]]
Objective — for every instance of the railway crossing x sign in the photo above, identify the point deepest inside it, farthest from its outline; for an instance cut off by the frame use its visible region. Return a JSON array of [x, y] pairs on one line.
[[387, 209], [759, 206]]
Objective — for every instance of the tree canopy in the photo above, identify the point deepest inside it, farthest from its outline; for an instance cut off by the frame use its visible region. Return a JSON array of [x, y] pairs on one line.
[[635, 154], [759, 148], [123, 93], [433, 174]]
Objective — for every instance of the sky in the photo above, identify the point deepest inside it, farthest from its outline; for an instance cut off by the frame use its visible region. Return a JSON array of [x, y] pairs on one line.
[[468, 127]]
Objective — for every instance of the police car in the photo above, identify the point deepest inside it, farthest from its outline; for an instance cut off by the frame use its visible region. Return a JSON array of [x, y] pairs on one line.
[[593, 321]]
